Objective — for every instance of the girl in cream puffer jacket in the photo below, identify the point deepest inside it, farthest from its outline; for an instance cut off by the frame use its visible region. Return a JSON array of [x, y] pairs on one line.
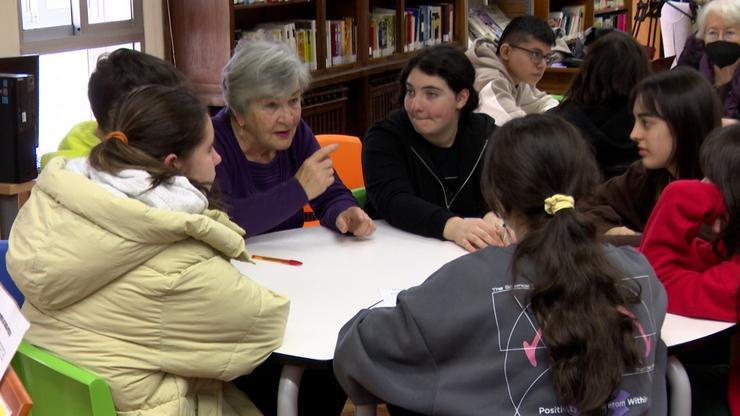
[[134, 282]]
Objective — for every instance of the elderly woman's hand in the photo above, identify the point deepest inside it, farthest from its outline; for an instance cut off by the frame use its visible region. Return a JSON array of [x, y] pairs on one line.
[[316, 173], [354, 220]]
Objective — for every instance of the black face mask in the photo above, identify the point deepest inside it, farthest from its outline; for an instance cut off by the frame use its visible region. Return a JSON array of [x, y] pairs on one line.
[[723, 53]]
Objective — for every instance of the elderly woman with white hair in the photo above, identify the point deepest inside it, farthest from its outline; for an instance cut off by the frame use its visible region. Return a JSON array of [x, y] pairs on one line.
[[719, 27], [272, 164]]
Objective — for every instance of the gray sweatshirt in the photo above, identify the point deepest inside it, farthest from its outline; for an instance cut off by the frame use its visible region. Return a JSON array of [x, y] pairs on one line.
[[500, 98], [464, 343]]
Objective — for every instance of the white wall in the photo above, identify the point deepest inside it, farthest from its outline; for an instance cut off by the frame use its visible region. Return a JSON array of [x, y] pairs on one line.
[[153, 28], [10, 36]]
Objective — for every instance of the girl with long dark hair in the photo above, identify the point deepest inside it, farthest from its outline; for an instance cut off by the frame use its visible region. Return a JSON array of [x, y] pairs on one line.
[[557, 323], [674, 111]]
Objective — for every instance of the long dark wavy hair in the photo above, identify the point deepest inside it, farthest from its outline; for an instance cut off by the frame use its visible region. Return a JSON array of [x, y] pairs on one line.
[[577, 292], [613, 53]]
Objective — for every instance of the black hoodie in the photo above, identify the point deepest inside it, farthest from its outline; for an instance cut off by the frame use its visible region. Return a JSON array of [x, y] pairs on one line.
[[404, 184]]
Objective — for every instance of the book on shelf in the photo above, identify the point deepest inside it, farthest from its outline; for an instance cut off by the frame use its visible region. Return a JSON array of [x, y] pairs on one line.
[[428, 25], [305, 31], [486, 22], [608, 4], [572, 22], [299, 35], [341, 41], [382, 35], [618, 21]]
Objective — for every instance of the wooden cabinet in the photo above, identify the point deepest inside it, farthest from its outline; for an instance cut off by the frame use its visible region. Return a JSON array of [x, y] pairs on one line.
[[345, 98]]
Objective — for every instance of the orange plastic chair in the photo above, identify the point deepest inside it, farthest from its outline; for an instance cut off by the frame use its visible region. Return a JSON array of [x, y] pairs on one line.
[[347, 160]]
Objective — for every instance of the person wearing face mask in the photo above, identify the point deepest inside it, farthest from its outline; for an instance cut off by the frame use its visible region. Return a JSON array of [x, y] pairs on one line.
[[719, 27], [507, 72]]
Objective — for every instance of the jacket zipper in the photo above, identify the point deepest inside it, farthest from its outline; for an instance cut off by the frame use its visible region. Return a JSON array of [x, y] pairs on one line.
[[444, 192]]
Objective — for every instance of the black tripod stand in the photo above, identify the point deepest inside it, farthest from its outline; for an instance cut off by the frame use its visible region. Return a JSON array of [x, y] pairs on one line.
[[650, 9]]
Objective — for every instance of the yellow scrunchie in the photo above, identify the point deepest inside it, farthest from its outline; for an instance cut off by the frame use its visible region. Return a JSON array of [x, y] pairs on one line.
[[557, 202]]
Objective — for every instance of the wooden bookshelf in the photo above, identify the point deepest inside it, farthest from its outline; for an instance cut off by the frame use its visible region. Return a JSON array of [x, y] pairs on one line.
[[203, 36]]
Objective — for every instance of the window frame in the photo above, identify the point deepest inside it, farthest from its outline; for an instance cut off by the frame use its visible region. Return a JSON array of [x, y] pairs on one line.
[[81, 34]]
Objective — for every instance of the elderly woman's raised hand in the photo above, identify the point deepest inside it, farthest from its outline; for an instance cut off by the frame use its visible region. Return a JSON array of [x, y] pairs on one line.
[[317, 172], [354, 220]]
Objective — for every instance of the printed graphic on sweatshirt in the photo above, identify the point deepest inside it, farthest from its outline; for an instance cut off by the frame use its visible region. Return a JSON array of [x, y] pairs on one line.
[[525, 353]]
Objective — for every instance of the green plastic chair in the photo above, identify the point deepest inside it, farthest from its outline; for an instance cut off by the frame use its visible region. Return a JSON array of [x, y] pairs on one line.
[[60, 388], [360, 195]]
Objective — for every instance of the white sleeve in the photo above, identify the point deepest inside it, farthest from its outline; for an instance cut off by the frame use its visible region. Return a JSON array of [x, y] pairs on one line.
[[490, 105]]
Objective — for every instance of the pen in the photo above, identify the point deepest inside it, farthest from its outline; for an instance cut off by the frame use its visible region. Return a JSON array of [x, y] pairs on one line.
[[289, 262]]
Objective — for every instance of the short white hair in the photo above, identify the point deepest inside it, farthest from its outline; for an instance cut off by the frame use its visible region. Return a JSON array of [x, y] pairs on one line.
[[262, 69], [729, 10]]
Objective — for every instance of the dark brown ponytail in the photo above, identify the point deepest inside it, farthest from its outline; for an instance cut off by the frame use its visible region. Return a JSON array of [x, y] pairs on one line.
[[577, 293]]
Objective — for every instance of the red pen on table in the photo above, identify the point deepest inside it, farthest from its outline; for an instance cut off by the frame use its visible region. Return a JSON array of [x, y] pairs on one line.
[[289, 262]]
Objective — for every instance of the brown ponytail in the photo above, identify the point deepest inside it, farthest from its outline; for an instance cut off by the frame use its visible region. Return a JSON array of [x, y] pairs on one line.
[[156, 121]]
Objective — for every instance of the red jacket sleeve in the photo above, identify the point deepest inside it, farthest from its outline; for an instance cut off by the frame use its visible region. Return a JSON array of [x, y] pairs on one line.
[[699, 283]]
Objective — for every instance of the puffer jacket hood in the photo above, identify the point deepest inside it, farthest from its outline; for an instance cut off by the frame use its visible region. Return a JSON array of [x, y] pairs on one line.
[[98, 259]]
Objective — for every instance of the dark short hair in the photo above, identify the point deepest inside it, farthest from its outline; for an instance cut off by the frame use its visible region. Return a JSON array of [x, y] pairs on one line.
[[720, 161], [688, 103], [615, 63], [523, 28], [448, 63], [118, 73]]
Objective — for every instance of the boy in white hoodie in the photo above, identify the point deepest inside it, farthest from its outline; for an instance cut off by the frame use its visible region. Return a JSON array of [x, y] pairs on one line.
[[507, 72]]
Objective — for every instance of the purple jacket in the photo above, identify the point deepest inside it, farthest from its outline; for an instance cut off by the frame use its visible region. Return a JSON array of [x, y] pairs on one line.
[[281, 207], [732, 99]]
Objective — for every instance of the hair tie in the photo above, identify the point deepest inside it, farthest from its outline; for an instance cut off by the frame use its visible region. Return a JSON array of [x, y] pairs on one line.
[[557, 202], [117, 135]]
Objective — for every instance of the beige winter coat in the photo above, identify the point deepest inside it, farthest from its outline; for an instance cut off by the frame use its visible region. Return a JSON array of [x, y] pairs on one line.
[[500, 98], [144, 297]]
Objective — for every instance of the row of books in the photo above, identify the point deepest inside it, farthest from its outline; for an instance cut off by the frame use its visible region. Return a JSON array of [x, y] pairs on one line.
[[341, 42], [301, 36], [382, 40], [618, 22], [486, 22], [428, 25], [571, 20], [608, 4], [424, 25]]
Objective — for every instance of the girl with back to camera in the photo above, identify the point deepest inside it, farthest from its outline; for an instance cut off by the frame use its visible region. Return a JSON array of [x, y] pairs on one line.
[[674, 111], [127, 273], [557, 323]]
